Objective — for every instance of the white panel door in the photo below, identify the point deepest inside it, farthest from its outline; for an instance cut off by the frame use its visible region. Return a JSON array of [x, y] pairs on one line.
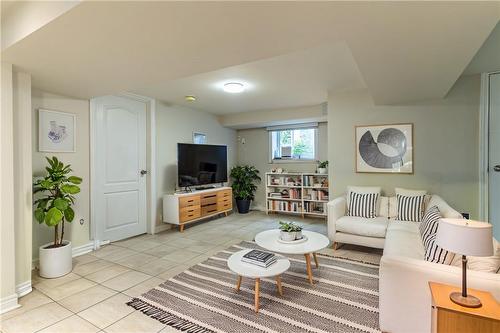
[[494, 154], [119, 167]]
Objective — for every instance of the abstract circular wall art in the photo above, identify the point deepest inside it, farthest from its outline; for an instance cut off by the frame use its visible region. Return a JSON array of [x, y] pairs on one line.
[[384, 148]]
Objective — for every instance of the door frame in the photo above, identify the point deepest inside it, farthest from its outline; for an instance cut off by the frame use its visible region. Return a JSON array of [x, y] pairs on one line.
[[151, 209], [484, 140]]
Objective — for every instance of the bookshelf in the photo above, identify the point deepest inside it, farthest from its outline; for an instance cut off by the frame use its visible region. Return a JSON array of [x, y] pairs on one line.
[[304, 194]]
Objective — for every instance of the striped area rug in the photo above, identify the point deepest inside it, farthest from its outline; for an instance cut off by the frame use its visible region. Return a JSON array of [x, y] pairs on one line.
[[203, 298]]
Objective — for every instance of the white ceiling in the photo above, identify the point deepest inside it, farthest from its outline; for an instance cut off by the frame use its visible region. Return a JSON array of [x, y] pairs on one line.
[[487, 59], [404, 51], [296, 79]]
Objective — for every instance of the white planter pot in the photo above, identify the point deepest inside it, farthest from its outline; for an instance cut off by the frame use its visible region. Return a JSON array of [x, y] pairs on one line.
[[287, 236], [322, 170], [55, 262], [298, 234]]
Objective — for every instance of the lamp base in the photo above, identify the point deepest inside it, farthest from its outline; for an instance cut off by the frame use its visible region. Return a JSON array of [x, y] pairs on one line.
[[469, 301]]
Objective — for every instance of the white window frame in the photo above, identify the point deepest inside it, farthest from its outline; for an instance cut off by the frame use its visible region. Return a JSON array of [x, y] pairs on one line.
[[293, 127]]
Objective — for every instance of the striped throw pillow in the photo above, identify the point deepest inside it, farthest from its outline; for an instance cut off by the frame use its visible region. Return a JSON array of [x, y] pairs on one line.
[[362, 204], [410, 208], [429, 224], [435, 253]]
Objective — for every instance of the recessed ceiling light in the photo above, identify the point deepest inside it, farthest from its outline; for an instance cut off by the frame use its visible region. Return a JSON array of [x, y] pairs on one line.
[[190, 98], [233, 87]]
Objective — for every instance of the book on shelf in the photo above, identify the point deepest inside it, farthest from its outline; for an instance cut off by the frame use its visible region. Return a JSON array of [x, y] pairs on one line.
[[259, 258], [284, 206]]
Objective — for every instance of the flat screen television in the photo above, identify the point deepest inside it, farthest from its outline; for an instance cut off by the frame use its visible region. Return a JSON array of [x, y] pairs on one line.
[[201, 164]]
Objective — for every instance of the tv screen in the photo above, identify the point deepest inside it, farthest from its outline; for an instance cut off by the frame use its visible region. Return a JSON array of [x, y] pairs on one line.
[[201, 164]]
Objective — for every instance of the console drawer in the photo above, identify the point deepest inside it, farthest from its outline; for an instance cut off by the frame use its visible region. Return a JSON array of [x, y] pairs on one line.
[[224, 205], [189, 213], [209, 209], [224, 194], [209, 199], [193, 200]]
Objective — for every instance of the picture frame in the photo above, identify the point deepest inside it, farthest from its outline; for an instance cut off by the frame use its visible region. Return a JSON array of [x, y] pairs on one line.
[[199, 138], [56, 131], [384, 148]]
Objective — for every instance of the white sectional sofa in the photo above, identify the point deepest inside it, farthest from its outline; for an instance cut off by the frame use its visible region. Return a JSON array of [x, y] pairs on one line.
[[404, 296]]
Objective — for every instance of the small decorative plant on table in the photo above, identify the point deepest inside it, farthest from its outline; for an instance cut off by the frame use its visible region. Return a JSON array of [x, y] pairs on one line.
[[244, 178], [322, 167], [290, 231], [53, 208]]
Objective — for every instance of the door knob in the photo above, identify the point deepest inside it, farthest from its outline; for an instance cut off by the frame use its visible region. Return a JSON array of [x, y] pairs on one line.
[[496, 168], [143, 172]]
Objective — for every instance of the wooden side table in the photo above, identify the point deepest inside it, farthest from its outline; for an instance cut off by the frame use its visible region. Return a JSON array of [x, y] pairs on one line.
[[448, 317]]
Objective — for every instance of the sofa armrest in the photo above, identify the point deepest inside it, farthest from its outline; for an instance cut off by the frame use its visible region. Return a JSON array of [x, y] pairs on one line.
[[336, 209], [404, 295]]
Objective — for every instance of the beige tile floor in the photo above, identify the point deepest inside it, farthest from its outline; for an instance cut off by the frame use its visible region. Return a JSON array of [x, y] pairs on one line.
[[92, 298]]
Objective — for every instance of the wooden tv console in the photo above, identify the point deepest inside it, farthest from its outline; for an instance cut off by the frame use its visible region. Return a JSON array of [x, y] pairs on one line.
[[182, 208]]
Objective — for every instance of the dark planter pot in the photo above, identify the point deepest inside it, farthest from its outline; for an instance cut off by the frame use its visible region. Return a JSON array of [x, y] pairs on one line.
[[243, 206]]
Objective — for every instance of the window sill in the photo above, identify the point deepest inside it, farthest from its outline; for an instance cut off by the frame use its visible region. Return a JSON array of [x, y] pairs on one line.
[[293, 161]]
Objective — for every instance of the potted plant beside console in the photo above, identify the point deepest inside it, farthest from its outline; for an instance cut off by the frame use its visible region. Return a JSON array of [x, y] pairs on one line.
[[53, 207], [244, 178]]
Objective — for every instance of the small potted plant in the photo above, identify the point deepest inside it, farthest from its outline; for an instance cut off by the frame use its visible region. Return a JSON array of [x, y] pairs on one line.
[[244, 178], [290, 231], [322, 167], [53, 207]]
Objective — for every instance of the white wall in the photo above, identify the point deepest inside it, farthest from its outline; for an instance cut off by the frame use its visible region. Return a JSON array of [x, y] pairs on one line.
[[78, 234], [176, 124], [445, 143], [255, 151]]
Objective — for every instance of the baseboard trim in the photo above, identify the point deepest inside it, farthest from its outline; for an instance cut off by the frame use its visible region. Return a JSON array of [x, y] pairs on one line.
[[162, 227], [83, 249], [9, 303], [23, 288]]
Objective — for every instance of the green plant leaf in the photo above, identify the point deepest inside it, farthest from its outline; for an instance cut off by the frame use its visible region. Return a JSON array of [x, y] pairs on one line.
[[69, 214], [74, 180], [53, 217], [70, 189], [42, 203], [61, 204], [39, 215]]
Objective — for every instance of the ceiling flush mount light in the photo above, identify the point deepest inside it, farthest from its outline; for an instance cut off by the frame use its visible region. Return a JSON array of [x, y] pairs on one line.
[[233, 87], [190, 98]]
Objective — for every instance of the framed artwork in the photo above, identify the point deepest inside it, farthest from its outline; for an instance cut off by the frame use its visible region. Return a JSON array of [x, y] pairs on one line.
[[384, 148], [199, 138], [56, 131]]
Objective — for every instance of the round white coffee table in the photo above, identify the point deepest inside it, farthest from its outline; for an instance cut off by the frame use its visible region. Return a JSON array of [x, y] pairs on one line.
[[315, 242], [256, 272]]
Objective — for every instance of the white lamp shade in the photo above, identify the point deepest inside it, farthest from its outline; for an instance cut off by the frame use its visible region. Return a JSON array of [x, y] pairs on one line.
[[466, 237]]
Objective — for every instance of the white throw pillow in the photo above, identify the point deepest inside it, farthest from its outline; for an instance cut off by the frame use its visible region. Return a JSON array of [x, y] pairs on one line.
[[482, 264], [410, 193], [364, 190]]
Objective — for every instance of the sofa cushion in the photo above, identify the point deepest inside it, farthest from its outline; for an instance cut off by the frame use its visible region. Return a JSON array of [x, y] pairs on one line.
[[410, 208], [444, 208], [384, 207], [403, 239], [362, 204], [409, 193], [375, 227]]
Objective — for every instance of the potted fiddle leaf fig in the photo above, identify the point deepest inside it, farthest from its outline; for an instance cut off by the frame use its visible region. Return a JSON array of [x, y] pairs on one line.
[[56, 196], [244, 178]]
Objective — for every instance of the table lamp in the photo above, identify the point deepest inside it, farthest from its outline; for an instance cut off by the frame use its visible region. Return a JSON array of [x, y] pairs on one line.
[[467, 238]]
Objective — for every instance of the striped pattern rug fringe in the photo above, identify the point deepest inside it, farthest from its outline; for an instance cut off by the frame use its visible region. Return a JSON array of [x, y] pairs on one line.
[[167, 318]]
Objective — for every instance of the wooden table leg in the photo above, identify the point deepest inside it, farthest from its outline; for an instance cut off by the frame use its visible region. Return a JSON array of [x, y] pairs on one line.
[[316, 260], [257, 291], [181, 227], [278, 284], [238, 283], [308, 267]]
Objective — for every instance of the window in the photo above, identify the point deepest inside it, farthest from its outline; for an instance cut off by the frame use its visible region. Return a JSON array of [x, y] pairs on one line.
[[293, 144]]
